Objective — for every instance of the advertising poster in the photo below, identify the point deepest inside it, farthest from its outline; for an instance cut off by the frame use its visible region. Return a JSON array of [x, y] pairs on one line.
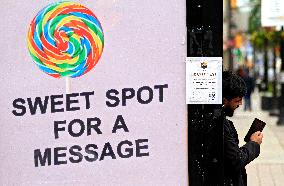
[[92, 93]]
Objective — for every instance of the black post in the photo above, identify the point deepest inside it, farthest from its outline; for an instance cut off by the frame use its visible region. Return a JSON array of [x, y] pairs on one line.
[[274, 74], [281, 116], [265, 78], [230, 36], [274, 111], [205, 130]]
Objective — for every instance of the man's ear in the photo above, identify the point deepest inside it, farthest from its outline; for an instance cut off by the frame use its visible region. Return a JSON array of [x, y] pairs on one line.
[[225, 101]]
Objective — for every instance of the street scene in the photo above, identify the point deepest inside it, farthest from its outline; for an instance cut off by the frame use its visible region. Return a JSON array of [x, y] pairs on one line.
[[144, 93], [254, 48], [268, 168]]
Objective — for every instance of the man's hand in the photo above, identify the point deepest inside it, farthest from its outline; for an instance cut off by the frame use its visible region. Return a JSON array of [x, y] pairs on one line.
[[257, 137]]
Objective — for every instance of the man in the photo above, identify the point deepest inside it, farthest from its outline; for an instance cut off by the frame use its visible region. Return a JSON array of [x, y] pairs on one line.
[[250, 84], [235, 157]]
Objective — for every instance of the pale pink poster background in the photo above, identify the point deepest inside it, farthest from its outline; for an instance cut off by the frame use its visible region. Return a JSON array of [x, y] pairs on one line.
[[144, 46]]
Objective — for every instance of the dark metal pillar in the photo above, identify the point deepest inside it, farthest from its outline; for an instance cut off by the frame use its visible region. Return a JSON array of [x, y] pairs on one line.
[[205, 131], [230, 36], [281, 116], [265, 56]]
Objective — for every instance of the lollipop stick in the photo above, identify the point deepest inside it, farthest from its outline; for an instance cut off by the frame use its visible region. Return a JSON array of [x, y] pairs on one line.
[[68, 85]]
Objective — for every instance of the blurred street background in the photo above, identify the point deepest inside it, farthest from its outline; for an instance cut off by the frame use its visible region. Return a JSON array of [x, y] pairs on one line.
[[253, 46]]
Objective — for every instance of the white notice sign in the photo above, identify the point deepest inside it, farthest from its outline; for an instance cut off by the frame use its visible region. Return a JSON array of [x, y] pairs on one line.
[[204, 80]]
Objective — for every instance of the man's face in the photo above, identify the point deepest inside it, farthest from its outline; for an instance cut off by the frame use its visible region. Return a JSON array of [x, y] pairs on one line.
[[231, 105]]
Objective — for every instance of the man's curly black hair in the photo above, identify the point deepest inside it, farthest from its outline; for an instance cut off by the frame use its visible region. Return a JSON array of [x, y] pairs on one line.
[[233, 86]]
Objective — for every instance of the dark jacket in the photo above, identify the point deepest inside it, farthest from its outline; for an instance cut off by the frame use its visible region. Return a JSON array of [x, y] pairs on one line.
[[235, 157]]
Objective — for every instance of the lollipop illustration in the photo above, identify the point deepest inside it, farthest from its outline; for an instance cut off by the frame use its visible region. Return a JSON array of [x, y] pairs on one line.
[[65, 39]]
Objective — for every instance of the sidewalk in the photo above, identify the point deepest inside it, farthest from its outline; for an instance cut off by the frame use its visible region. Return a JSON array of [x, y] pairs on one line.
[[268, 168]]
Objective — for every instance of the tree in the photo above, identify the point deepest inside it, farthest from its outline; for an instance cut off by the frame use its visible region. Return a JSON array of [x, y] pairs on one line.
[[255, 17]]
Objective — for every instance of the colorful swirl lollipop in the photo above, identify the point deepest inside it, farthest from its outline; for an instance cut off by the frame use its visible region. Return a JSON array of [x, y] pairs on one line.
[[65, 39]]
